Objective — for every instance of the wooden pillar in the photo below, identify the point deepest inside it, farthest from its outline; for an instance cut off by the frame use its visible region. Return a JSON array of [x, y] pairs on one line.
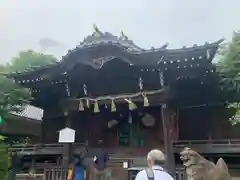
[[43, 127], [32, 169], [42, 136], [67, 146], [68, 123], [166, 124], [168, 145]]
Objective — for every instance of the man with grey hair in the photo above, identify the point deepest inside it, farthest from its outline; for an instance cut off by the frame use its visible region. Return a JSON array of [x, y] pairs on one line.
[[155, 171]]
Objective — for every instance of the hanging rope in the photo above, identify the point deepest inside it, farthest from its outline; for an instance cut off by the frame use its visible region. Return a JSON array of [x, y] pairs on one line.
[[128, 96]]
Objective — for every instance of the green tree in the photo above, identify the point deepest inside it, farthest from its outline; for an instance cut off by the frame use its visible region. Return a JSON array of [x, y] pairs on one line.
[[229, 63], [4, 159], [12, 96], [229, 70], [29, 59]]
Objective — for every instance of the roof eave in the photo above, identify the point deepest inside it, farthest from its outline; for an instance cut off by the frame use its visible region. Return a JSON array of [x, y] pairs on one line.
[[142, 53]]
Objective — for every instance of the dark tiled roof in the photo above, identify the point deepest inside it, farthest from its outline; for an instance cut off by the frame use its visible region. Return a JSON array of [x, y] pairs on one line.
[[101, 47]]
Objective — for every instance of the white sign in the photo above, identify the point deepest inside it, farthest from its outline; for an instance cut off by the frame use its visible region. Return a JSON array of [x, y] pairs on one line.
[[125, 165], [66, 135]]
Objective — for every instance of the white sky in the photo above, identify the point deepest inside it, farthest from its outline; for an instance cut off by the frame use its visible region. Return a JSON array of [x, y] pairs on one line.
[[147, 22]]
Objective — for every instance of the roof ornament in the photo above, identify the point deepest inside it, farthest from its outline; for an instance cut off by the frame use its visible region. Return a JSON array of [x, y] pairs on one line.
[[97, 32], [164, 46], [82, 42], [123, 37]]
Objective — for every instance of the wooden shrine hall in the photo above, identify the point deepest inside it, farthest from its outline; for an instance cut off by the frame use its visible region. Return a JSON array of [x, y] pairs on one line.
[[133, 99]]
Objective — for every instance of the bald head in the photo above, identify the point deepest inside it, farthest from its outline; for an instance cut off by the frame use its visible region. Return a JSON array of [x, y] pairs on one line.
[[156, 157]]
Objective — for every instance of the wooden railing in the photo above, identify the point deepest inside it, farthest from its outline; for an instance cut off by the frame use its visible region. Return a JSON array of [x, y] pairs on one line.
[[26, 176], [209, 146], [21, 147], [55, 173], [25, 148], [58, 148], [211, 141], [115, 170]]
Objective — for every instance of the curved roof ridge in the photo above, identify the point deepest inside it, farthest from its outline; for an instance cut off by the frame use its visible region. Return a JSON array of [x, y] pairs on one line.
[[195, 46]]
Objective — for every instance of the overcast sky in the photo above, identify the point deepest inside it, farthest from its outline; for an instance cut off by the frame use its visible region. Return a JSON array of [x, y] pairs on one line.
[[147, 22]]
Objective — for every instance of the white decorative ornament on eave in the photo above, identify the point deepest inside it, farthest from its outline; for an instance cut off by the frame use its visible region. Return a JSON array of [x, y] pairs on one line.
[[148, 120], [208, 54]]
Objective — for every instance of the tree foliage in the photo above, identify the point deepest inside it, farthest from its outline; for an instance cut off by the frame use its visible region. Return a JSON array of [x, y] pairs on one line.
[[229, 63], [4, 159], [229, 70], [29, 59], [12, 96]]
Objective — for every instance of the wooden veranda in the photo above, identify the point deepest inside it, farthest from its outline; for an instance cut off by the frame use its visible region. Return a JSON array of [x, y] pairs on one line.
[[117, 172], [202, 146]]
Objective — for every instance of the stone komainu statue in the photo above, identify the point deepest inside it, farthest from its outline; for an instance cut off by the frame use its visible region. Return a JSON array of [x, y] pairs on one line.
[[199, 168]]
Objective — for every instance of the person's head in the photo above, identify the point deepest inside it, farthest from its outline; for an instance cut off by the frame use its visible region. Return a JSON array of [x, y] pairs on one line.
[[77, 158], [155, 158], [100, 143], [76, 155]]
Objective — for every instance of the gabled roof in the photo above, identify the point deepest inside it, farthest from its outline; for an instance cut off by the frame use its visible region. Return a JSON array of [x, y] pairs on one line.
[[27, 122], [30, 112]]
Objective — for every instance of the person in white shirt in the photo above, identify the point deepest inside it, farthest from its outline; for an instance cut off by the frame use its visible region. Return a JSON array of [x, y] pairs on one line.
[[155, 171]]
